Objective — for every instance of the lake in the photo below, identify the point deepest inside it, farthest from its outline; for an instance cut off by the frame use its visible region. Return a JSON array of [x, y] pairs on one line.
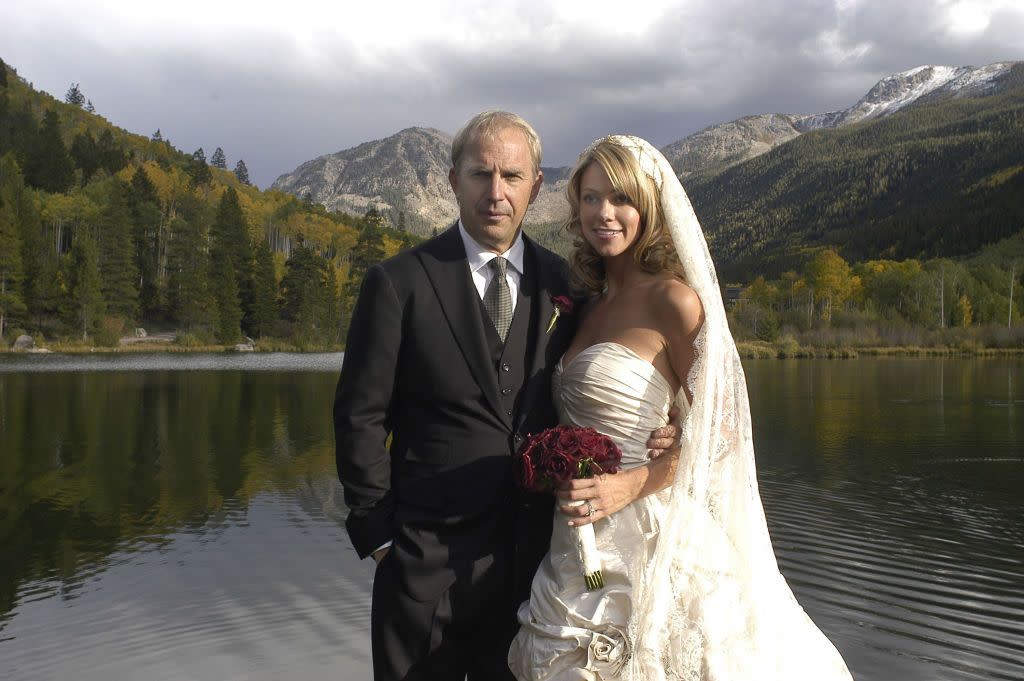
[[179, 517]]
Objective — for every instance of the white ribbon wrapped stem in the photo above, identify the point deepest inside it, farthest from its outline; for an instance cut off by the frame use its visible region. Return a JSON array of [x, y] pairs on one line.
[[586, 548]]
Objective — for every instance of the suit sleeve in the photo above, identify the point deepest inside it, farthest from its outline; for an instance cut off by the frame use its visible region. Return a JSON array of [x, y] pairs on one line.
[[362, 408]]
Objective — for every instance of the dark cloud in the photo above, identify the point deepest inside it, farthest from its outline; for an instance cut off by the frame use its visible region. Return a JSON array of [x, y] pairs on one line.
[[277, 101]]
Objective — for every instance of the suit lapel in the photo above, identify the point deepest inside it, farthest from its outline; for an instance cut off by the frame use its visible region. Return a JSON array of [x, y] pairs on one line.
[[549, 283], [445, 263]]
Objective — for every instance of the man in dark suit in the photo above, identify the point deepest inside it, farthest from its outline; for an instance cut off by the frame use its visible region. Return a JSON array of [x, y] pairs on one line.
[[450, 354]]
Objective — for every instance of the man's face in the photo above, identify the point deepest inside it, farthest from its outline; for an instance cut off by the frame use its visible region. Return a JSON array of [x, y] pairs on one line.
[[494, 184]]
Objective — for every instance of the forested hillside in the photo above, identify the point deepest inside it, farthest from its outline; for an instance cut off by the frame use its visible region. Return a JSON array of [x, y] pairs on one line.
[[103, 231], [943, 178]]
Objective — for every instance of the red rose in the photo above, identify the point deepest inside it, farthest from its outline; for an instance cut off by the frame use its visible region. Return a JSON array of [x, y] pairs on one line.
[[563, 303], [590, 441], [562, 453], [561, 467], [526, 473]]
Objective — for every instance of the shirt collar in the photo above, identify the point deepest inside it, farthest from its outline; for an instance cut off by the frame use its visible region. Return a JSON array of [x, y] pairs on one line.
[[478, 256]]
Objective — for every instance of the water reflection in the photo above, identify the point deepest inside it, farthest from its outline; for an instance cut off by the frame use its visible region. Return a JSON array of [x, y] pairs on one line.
[[174, 524], [186, 523], [892, 489]]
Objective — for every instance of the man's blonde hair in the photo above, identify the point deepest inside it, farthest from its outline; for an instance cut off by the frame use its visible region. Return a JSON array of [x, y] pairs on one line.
[[488, 123]]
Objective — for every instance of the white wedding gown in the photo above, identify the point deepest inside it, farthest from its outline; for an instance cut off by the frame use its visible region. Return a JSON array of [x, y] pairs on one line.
[[568, 633]]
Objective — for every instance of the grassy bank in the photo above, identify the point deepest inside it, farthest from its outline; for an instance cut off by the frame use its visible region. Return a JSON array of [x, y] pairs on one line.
[[791, 350], [182, 344]]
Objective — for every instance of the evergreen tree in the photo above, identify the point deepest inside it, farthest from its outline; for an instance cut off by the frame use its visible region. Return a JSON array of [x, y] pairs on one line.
[[86, 155], [218, 160], [23, 135], [308, 296], [39, 263], [299, 270], [401, 221], [157, 137], [225, 293], [111, 155], [49, 166], [229, 241], [146, 219], [86, 297], [189, 298], [374, 217], [241, 172], [89, 107], [117, 253], [3, 74], [198, 172], [74, 95], [332, 307], [11, 301], [6, 136], [368, 251], [264, 308]]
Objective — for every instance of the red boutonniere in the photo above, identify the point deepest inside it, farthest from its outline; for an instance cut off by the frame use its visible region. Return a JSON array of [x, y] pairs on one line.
[[563, 305]]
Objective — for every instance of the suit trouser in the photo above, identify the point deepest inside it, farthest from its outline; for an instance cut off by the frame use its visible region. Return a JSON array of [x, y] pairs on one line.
[[465, 632]]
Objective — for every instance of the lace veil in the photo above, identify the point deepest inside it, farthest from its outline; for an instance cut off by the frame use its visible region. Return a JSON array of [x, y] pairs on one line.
[[712, 605]]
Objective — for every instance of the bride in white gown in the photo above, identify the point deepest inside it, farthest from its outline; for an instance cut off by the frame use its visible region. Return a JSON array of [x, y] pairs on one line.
[[692, 589]]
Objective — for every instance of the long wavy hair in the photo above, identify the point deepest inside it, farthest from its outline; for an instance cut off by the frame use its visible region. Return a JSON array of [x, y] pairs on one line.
[[653, 250]]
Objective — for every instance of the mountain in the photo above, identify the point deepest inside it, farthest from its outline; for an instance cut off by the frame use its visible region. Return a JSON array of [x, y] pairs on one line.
[[944, 177], [721, 146], [406, 172]]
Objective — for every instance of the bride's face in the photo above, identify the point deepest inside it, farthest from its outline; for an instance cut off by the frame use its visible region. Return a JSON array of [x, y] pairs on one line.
[[608, 220]]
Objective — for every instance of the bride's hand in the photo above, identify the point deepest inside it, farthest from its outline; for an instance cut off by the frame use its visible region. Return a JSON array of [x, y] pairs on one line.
[[602, 495]]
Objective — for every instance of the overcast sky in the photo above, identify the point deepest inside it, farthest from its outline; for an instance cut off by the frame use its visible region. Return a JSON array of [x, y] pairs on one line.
[[280, 82]]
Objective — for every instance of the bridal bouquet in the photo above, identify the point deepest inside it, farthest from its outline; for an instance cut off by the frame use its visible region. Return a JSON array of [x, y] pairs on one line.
[[557, 455]]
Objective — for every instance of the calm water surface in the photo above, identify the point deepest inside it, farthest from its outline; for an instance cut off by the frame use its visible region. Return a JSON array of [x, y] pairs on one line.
[[178, 516]]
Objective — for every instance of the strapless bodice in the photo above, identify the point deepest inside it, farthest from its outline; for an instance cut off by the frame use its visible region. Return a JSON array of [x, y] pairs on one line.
[[610, 388], [568, 633]]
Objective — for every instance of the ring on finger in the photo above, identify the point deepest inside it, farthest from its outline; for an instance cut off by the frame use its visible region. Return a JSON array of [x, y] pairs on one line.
[[590, 508]]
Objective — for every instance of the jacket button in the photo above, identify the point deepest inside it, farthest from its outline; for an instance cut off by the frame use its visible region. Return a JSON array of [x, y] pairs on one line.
[[506, 367], [509, 412], [506, 391]]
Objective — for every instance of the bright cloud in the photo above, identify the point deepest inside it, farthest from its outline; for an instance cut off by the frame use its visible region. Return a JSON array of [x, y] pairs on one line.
[[277, 83]]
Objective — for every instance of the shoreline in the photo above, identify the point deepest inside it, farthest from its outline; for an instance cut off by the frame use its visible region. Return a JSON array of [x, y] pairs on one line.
[[746, 349], [163, 348], [791, 350]]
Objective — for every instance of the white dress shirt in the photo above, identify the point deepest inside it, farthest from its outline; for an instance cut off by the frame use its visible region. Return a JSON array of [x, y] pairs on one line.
[[478, 258]]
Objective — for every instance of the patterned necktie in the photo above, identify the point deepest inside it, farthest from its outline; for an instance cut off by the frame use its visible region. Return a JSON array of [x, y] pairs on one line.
[[498, 299]]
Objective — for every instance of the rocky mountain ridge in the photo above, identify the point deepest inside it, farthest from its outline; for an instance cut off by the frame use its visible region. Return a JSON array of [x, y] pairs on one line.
[[721, 146], [408, 172]]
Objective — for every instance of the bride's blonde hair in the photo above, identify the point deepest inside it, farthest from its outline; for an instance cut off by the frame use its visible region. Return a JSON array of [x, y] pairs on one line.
[[653, 250]]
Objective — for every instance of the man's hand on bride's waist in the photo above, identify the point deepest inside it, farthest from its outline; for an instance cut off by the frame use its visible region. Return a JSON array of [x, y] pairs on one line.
[[665, 440]]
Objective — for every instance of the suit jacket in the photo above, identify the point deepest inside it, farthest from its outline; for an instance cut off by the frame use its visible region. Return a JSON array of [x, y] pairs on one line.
[[418, 368]]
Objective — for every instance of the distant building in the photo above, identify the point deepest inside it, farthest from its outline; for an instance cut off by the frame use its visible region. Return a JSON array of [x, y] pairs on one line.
[[731, 294]]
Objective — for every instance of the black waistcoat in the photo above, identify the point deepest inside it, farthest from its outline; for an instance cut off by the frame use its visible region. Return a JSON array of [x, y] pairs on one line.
[[511, 358]]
